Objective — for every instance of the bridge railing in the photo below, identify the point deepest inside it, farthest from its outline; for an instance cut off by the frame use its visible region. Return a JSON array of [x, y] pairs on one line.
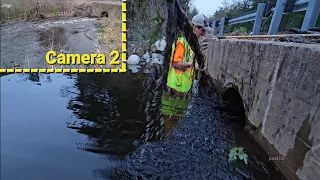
[[312, 8]]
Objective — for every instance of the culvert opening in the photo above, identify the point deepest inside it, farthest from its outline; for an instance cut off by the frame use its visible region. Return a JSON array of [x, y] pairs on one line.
[[104, 14], [234, 104]]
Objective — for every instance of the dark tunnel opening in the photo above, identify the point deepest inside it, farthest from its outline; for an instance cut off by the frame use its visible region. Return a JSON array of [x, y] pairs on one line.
[[104, 14], [235, 107]]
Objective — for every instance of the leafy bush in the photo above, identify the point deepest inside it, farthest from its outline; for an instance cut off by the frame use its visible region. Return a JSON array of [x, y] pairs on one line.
[[241, 31], [238, 153]]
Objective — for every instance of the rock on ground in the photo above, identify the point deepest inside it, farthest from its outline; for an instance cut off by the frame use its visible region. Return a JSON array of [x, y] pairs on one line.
[[133, 60], [159, 45]]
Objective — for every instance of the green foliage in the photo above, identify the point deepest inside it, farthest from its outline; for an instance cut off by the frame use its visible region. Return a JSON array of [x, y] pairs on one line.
[[54, 10], [157, 28], [102, 33], [238, 153], [241, 31], [234, 8]]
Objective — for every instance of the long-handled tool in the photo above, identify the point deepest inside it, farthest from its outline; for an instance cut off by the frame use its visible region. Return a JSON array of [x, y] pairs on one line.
[[269, 36]]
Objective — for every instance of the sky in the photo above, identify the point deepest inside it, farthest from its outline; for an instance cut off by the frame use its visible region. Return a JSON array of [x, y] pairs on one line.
[[207, 7]]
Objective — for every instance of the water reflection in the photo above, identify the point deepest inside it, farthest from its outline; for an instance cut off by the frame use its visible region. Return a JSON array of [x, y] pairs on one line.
[[164, 109], [173, 108], [34, 77], [112, 111], [107, 107], [35, 143], [152, 98]]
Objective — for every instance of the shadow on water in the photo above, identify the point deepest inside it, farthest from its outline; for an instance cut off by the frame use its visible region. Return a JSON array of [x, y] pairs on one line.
[[109, 104]]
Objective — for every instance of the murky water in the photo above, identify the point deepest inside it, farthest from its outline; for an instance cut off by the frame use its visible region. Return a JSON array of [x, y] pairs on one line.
[[25, 44]]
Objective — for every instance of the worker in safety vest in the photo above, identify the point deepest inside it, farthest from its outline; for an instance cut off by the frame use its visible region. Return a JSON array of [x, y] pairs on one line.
[[181, 72]]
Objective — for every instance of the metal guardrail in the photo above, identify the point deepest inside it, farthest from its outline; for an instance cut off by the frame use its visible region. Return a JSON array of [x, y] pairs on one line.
[[243, 19], [312, 8], [301, 5]]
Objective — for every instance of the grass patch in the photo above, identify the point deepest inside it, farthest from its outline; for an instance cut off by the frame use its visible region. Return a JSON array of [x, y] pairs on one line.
[[12, 10], [110, 36]]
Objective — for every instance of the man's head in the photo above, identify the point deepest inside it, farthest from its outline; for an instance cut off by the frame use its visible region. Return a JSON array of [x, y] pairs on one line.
[[200, 25]]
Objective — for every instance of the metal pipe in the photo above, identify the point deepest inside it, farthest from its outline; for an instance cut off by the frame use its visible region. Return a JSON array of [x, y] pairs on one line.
[[269, 36]]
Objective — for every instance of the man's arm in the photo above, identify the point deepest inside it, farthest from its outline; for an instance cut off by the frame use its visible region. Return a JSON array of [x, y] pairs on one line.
[[204, 42], [182, 65], [178, 58]]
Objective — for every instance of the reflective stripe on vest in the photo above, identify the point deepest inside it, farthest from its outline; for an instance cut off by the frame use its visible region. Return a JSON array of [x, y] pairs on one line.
[[178, 80]]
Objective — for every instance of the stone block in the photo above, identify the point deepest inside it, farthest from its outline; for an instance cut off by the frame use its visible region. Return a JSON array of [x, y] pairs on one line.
[[259, 104], [241, 75], [291, 64], [224, 60], [311, 167], [238, 53], [276, 114], [279, 102], [246, 60], [315, 126], [236, 50], [215, 57], [268, 62], [308, 87], [251, 65], [294, 114]]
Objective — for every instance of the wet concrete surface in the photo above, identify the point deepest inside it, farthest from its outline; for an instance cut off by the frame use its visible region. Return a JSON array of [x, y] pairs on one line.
[[25, 44], [56, 126]]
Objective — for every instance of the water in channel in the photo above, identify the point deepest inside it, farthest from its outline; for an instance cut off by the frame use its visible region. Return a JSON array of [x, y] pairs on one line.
[[91, 126], [108, 126]]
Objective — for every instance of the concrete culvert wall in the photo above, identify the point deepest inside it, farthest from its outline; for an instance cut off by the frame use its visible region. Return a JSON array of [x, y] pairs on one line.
[[280, 88], [113, 9], [235, 106]]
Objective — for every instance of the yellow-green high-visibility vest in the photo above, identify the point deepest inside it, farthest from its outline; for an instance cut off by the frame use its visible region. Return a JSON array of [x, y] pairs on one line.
[[178, 80]]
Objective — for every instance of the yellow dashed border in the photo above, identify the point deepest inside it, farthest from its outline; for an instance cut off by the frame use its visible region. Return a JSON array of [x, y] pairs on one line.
[[124, 37], [124, 55]]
